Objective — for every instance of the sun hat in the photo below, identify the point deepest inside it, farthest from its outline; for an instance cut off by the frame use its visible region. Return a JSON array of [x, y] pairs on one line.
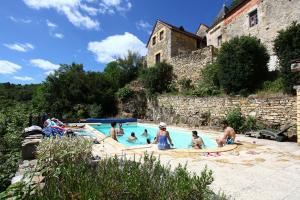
[[162, 125]]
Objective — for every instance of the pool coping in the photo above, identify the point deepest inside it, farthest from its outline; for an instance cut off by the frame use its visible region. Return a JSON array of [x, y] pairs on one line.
[[107, 139]]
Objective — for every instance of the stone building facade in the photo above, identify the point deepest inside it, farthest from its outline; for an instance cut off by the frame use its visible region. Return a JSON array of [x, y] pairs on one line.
[[260, 18], [167, 41]]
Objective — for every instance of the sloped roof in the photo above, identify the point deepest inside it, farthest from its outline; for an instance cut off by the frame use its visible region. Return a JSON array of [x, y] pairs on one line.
[[174, 28], [221, 15]]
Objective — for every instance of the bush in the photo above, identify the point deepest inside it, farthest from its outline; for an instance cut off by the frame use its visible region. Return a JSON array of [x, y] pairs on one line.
[[95, 110], [158, 78], [242, 65], [185, 84], [208, 85], [125, 93], [287, 48], [235, 119], [69, 174], [273, 86]]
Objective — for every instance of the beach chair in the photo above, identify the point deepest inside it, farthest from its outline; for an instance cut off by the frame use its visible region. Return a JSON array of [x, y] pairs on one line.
[[279, 136]]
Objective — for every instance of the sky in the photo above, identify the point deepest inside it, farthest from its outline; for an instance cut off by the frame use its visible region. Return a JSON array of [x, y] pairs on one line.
[[38, 35]]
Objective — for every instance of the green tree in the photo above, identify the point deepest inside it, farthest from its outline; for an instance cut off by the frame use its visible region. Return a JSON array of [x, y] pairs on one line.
[[242, 65], [287, 48], [157, 78]]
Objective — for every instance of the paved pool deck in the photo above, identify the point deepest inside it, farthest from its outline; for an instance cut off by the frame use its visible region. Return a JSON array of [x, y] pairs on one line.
[[254, 169]]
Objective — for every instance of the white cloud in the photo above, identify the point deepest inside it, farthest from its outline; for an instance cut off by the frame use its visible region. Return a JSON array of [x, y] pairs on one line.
[[47, 73], [70, 8], [116, 46], [23, 78], [20, 47], [112, 2], [25, 21], [7, 67], [44, 64], [51, 24], [144, 26], [59, 35]]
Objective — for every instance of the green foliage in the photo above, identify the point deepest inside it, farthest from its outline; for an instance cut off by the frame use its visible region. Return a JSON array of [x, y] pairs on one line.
[[273, 86], [14, 92], [235, 119], [70, 175], [242, 65], [250, 124], [95, 110], [185, 84], [125, 93], [287, 48], [234, 3], [13, 120], [208, 85], [157, 78]]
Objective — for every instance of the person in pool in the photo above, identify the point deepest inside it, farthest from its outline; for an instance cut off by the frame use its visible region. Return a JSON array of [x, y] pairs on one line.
[[120, 130], [132, 137], [197, 141], [145, 134], [162, 137], [112, 131], [228, 137]]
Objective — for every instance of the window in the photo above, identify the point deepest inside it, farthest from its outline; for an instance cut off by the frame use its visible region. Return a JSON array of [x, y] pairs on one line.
[[253, 19], [154, 40], [157, 58], [220, 40], [161, 35]]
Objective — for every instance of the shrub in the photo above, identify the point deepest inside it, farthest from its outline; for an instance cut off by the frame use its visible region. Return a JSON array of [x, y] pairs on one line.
[[158, 78], [250, 124], [273, 86], [208, 85], [242, 65], [69, 175], [235, 119], [185, 84], [125, 93], [95, 110], [287, 48]]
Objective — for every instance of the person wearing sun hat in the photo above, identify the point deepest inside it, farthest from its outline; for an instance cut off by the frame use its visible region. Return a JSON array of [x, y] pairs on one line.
[[162, 137]]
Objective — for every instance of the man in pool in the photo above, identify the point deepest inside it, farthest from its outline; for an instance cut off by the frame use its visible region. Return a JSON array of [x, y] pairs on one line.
[[197, 141], [112, 131], [132, 137], [228, 137]]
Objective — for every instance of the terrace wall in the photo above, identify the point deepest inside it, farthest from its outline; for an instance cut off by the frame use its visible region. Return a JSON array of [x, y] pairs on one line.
[[187, 110]]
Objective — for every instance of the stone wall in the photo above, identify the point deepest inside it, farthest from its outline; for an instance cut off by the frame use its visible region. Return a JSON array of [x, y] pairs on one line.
[[188, 110], [189, 65], [298, 113]]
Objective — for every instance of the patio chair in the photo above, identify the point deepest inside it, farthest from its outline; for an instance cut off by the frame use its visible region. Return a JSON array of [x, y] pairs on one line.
[[279, 136]]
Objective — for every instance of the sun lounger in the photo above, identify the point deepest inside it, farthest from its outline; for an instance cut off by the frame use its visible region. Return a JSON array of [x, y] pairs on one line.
[[279, 136]]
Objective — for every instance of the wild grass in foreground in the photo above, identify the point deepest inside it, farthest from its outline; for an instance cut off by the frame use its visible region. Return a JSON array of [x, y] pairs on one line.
[[70, 175]]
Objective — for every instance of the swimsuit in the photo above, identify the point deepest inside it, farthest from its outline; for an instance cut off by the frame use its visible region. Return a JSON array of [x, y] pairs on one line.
[[162, 142], [229, 141]]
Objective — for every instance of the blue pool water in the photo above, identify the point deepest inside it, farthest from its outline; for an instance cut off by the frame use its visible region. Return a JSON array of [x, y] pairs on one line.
[[181, 139]]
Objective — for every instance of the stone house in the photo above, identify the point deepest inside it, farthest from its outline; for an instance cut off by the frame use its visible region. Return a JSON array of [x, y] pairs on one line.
[[260, 18], [167, 41]]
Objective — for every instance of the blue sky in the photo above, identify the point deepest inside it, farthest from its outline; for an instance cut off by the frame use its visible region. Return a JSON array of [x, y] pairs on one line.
[[38, 35]]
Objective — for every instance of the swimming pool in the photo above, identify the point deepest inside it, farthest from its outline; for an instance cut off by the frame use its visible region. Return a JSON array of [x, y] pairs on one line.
[[181, 139]]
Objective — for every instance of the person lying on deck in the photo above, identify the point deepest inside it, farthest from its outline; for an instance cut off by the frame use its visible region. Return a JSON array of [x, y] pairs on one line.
[[132, 137], [197, 142], [162, 137], [228, 137]]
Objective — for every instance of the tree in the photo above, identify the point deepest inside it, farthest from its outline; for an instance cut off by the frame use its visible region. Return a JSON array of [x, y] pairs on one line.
[[157, 78], [242, 65], [287, 48]]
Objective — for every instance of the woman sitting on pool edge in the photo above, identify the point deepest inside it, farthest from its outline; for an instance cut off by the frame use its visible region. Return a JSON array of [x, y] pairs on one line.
[[162, 137]]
